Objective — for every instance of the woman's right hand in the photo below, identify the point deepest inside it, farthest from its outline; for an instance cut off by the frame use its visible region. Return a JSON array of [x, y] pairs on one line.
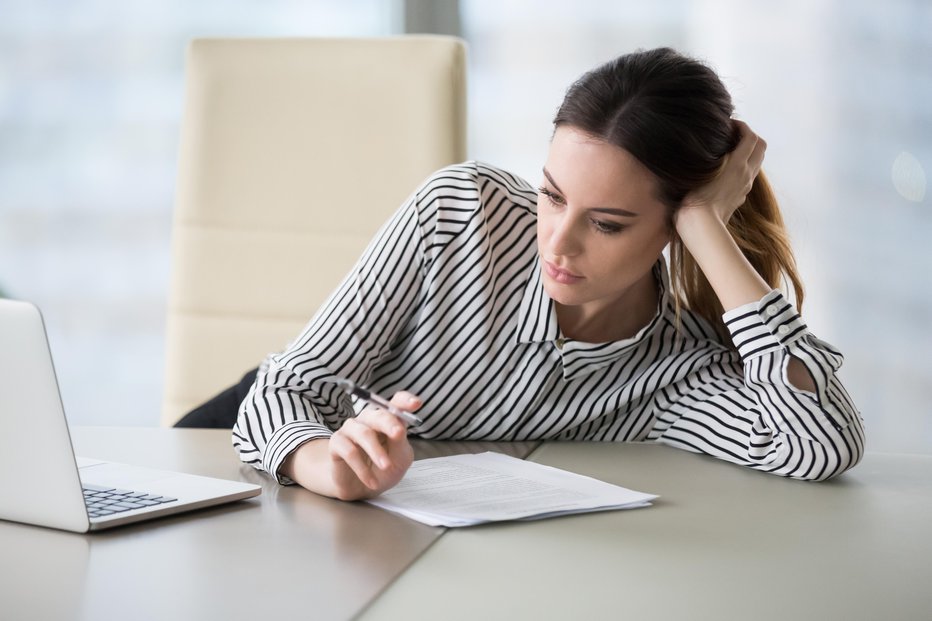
[[366, 456]]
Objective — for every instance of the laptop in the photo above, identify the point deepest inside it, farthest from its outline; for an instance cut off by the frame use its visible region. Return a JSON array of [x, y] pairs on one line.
[[41, 480]]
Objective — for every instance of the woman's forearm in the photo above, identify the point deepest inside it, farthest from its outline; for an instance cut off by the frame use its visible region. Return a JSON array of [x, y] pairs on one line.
[[733, 278]]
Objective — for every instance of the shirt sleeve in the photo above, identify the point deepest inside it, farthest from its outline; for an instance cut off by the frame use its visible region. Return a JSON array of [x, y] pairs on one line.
[[294, 398], [758, 418]]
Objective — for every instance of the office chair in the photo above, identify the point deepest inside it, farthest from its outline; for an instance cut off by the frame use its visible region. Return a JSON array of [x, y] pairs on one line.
[[293, 153]]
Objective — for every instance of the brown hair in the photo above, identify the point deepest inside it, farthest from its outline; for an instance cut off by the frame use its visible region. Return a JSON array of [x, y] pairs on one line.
[[673, 114]]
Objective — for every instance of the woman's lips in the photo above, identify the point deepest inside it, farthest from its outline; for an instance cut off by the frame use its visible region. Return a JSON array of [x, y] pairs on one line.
[[560, 275]]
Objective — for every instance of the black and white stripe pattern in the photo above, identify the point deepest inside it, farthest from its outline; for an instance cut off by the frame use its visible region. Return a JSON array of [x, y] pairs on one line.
[[447, 302]]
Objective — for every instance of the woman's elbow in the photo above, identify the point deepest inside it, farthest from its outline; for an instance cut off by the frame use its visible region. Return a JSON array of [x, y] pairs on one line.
[[838, 459]]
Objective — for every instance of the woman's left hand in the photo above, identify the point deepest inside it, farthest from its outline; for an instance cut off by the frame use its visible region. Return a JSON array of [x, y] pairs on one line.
[[730, 187], [702, 219]]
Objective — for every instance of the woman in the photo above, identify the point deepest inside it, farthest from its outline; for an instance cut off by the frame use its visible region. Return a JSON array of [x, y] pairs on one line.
[[520, 314]]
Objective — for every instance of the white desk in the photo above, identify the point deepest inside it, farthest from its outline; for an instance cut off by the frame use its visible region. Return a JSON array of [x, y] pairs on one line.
[[722, 543], [285, 555]]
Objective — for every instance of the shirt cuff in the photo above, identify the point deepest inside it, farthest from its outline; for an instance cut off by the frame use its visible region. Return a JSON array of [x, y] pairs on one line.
[[764, 326], [285, 440]]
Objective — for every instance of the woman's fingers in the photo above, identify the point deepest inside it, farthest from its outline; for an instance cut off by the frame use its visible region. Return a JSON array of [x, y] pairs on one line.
[[372, 448], [406, 401], [387, 423], [345, 450], [750, 148], [741, 168], [383, 422], [756, 158], [374, 445], [371, 440]]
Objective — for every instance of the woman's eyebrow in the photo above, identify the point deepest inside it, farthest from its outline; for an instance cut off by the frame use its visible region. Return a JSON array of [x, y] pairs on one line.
[[609, 210], [615, 212], [552, 182]]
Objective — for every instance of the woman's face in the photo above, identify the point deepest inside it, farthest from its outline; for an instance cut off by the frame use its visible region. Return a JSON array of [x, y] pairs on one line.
[[600, 225]]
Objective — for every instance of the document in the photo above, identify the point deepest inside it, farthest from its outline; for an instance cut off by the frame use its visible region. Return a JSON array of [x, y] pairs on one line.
[[462, 490]]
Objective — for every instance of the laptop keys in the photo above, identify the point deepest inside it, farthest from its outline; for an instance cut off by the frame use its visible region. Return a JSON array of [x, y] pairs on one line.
[[103, 501]]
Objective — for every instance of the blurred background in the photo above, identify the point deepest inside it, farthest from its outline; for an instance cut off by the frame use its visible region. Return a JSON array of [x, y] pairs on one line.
[[90, 106]]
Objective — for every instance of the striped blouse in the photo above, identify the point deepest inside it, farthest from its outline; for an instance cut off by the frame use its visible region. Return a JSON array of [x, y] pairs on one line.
[[447, 302]]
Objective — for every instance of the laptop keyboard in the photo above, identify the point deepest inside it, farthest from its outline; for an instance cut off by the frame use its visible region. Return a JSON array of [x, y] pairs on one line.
[[103, 501]]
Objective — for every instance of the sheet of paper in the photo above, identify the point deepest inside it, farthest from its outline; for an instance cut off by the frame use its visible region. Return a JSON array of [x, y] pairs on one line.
[[462, 490]]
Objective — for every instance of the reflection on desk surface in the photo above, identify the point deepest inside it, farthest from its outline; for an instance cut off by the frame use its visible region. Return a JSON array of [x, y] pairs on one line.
[[43, 572]]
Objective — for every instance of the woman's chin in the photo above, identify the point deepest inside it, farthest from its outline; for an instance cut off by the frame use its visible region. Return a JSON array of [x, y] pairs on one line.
[[563, 294]]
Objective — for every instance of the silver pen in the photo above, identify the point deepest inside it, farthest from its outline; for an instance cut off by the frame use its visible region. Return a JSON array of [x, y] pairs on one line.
[[370, 397]]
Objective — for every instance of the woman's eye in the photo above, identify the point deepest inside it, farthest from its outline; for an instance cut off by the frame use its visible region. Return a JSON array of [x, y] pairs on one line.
[[607, 227], [550, 196]]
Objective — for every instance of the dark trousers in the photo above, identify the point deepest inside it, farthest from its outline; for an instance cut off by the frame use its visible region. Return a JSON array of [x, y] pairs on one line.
[[220, 411]]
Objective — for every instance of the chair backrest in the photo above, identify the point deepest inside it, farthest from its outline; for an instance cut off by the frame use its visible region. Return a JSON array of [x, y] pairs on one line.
[[293, 153]]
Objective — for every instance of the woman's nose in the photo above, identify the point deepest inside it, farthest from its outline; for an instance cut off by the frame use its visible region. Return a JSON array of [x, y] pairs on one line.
[[564, 238]]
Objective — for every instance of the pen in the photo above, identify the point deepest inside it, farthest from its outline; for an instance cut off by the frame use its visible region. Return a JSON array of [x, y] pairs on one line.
[[371, 397]]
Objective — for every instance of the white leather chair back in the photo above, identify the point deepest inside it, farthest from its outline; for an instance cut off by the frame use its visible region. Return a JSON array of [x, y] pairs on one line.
[[293, 153]]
